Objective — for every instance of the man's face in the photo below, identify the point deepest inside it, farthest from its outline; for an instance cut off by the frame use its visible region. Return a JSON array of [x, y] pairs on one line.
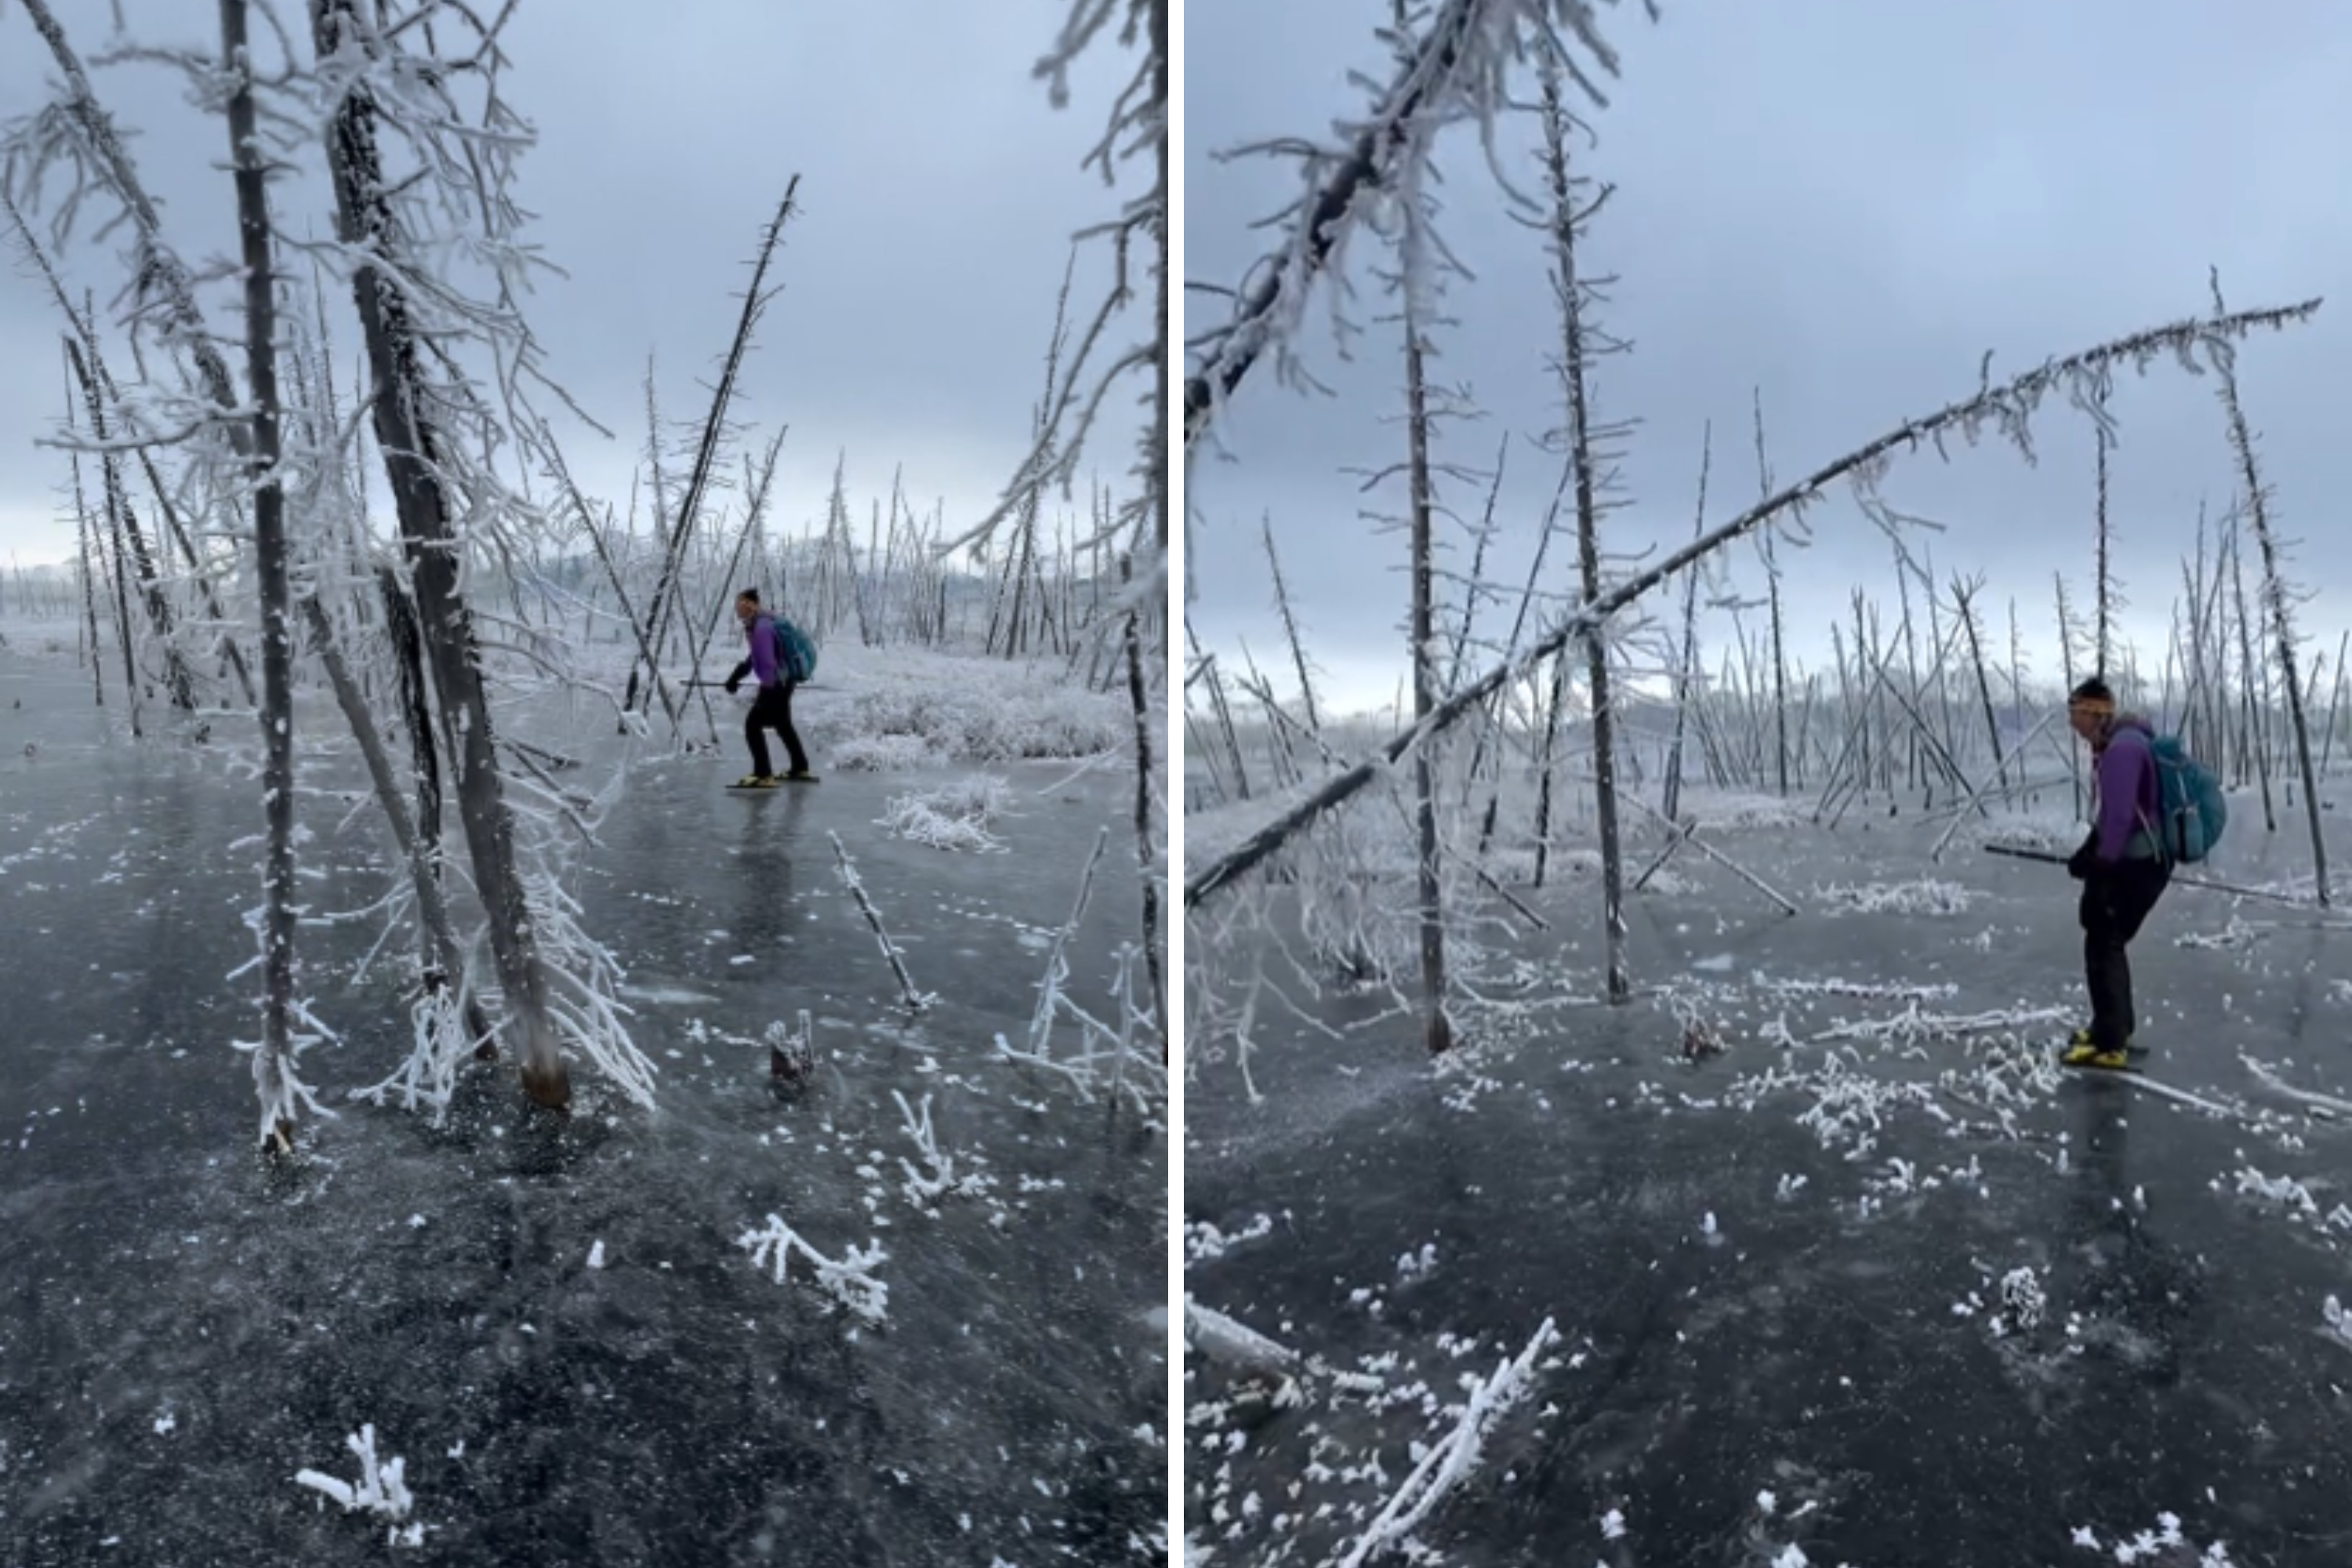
[[2085, 723], [745, 609]]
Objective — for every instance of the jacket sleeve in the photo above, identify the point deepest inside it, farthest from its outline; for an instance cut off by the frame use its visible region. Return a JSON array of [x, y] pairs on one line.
[[2123, 778], [763, 650]]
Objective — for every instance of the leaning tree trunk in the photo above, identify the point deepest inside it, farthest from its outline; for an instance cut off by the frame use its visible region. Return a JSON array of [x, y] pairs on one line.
[[411, 445], [117, 506], [1573, 370], [273, 1063], [2275, 594]]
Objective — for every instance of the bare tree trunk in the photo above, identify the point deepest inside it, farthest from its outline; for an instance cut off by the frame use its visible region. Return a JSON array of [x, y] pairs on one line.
[[1573, 370], [125, 523], [273, 1063], [1772, 596], [1673, 799], [410, 445], [2248, 663], [89, 580], [422, 855], [2101, 646], [94, 562], [1145, 839], [2066, 674], [713, 430], [1290, 628], [2275, 593], [1546, 763], [1438, 1029], [1964, 596]]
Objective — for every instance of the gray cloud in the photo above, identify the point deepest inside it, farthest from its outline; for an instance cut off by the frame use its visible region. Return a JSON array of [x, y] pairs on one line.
[[1847, 206], [939, 188]]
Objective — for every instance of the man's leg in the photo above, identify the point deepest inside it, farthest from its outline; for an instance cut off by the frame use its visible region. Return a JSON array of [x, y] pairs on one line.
[[784, 725], [753, 722], [2133, 891], [2106, 974]]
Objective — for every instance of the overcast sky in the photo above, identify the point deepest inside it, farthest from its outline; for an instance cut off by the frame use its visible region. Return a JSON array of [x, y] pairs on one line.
[[939, 191], [1845, 204]]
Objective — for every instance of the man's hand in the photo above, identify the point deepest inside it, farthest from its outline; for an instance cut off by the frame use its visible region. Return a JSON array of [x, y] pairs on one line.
[[734, 683]]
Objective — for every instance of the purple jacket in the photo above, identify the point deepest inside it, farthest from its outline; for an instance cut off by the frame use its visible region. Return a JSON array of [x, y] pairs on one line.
[[767, 650], [2126, 785]]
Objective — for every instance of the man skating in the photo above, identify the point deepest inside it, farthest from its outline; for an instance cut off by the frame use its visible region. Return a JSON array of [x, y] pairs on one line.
[[771, 709], [2122, 865]]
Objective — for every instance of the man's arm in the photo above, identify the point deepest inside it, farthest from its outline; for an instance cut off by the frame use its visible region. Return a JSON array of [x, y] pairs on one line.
[[763, 652]]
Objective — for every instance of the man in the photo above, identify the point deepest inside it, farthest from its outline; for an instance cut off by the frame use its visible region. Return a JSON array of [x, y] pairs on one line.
[[772, 708], [2122, 865]]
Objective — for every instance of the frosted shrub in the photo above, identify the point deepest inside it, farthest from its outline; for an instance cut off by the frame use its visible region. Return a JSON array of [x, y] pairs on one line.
[[942, 714], [957, 817], [882, 753], [1927, 896]]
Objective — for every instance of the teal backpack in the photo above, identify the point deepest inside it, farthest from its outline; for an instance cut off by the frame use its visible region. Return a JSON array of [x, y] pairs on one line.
[[2192, 810], [794, 651]]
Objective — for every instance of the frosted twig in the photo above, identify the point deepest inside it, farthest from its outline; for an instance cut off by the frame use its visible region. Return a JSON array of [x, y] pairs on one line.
[[916, 1001], [380, 1488], [1081, 1078], [1057, 969], [2268, 1077], [1219, 1338], [924, 1191], [849, 1281], [1452, 1457]]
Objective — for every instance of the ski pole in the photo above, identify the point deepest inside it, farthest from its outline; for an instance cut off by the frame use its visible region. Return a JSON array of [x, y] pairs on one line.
[[2043, 854]]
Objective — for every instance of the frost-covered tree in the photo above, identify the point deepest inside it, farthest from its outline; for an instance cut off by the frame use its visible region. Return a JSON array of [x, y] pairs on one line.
[[400, 215]]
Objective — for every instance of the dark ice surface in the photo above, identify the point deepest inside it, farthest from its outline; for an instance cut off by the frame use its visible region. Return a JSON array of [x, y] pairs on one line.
[[1944, 1303], [182, 1330]]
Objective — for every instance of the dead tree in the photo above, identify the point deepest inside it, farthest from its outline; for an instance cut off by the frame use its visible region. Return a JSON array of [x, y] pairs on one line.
[[1421, 503], [2277, 595], [97, 561], [706, 452], [1580, 341], [125, 525], [281, 1090], [1146, 840], [1964, 601], [2103, 645], [411, 444], [1687, 664], [1290, 628], [1772, 599], [2250, 716]]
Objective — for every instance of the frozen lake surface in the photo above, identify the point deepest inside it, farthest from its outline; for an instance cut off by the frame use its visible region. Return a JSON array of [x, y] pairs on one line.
[[1875, 1286], [554, 1327]]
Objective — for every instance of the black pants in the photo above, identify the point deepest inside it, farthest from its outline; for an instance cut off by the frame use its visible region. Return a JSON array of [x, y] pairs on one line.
[[772, 709], [2115, 903]]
